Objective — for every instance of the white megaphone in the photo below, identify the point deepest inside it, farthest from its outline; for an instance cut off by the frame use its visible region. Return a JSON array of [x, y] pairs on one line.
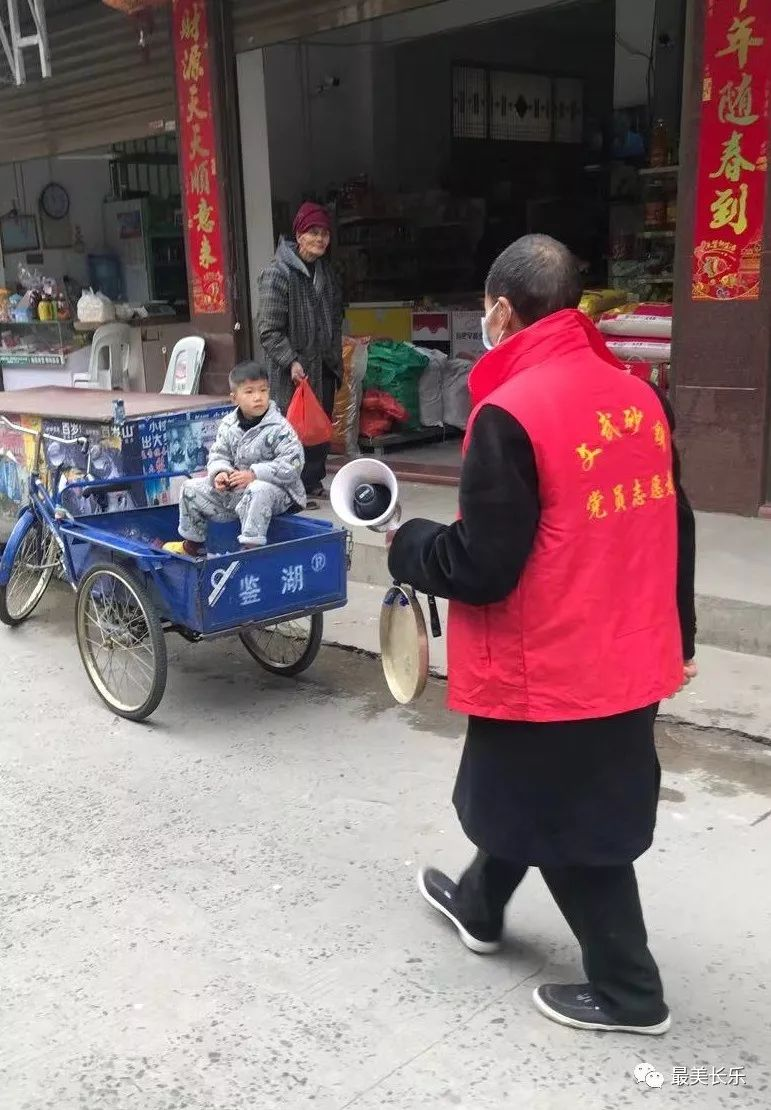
[[365, 493]]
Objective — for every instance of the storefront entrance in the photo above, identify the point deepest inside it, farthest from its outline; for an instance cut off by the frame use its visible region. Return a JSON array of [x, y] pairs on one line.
[[435, 143]]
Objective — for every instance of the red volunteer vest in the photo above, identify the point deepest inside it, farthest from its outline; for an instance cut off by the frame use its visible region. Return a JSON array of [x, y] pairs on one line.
[[592, 629]]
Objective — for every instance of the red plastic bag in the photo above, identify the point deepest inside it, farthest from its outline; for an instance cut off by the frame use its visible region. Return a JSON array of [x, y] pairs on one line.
[[372, 425], [382, 403], [379, 412], [307, 417]]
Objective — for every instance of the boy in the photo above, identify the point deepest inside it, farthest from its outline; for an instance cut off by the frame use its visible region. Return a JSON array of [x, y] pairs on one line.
[[255, 469]]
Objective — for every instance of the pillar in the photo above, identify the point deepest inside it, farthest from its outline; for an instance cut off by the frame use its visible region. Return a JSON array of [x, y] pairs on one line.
[[258, 205], [210, 174], [722, 330]]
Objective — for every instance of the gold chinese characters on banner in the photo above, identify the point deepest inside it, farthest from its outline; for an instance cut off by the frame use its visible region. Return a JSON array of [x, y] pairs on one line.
[[733, 154], [198, 160]]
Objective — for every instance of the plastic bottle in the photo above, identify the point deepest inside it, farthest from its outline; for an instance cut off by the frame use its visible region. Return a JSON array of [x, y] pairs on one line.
[[45, 310], [659, 145], [62, 307], [655, 207]]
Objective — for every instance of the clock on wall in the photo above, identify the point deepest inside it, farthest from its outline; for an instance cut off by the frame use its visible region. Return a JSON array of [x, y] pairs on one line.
[[55, 201]]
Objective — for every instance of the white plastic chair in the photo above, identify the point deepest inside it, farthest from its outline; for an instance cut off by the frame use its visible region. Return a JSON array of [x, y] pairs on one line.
[[183, 374], [108, 366]]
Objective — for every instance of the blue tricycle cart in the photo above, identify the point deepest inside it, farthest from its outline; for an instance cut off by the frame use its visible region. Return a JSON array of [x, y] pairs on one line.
[[130, 592]]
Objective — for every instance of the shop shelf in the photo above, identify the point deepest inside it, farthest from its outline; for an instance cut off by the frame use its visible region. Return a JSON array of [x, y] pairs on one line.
[[658, 171]]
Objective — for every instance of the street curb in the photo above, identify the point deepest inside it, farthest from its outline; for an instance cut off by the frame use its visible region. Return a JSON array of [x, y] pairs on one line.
[[740, 626], [666, 715]]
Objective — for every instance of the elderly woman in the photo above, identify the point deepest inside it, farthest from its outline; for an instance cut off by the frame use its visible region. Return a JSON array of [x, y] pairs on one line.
[[300, 323]]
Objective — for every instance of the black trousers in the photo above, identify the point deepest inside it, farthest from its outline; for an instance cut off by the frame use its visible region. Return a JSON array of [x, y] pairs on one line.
[[315, 469], [602, 907]]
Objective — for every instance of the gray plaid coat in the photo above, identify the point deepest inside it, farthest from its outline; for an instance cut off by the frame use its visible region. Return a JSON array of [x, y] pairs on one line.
[[299, 319]]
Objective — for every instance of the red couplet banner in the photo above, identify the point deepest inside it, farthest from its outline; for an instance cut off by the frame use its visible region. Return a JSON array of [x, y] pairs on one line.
[[198, 160], [733, 150]]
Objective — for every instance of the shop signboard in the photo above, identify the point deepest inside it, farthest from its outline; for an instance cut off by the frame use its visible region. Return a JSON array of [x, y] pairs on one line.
[[179, 442], [200, 188], [467, 336], [9, 357], [432, 330], [733, 151], [174, 442], [17, 456], [386, 320]]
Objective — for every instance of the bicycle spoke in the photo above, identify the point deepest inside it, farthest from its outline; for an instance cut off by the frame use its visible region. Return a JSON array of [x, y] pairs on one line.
[[32, 570], [117, 641], [282, 645]]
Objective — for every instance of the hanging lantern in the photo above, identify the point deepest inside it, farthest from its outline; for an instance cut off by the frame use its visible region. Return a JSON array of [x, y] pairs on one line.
[[134, 7], [141, 13]]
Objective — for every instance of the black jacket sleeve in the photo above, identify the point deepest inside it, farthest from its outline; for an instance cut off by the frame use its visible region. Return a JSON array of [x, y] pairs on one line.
[[478, 559], [686, 547]]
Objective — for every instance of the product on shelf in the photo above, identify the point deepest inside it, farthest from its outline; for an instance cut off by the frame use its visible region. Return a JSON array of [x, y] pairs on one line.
[[659, 154], [596, 301], [456, 399], [396, 369], [640, 336], [430, 389], [345, 418], [641, 349], [444, 394], [380, 411], [644, 321], [656, 208], [45, 308], [95, 308]]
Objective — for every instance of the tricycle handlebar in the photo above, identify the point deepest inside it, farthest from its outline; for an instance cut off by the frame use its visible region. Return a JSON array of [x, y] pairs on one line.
[[94, 485], [81, 441]]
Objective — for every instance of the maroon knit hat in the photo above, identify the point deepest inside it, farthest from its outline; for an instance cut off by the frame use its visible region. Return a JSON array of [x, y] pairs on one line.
[[311, 215]]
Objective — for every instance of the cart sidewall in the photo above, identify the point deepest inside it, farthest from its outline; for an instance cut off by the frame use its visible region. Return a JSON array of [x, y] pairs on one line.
[[273, 583], [86, 554]]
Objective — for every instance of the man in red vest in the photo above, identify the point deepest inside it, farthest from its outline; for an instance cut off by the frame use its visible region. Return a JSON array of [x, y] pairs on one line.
[[570, 574]]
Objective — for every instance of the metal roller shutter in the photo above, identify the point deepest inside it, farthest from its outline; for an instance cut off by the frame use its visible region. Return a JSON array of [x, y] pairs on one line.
[[262, 22], [102, 91]]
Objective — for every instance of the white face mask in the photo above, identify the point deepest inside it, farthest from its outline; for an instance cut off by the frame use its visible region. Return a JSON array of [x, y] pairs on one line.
[[486, 337]]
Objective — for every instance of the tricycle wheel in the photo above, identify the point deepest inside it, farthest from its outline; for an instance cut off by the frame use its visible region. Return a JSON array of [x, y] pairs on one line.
[[34, 562], [287, 648], [121, 641]]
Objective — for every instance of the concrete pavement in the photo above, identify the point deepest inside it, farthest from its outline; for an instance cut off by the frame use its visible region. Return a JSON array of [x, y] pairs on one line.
[[216, 911]]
